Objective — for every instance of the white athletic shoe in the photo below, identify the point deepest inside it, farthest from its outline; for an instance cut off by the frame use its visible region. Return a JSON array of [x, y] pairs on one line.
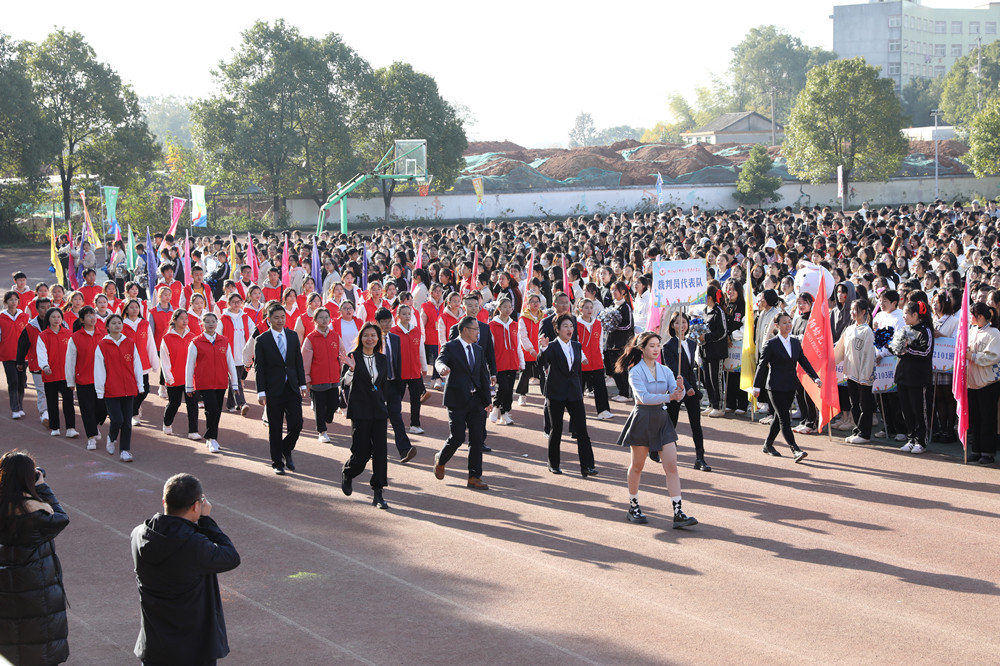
[[716, 413], [231, 410], [918, 448], [193, 436], [620, 398], [522, 401], [906, 448], [740, 412], [54, 433], [325, 438], [109, 446], [766, 420], [605, 415], [495, 415], [44, 418], [136, 422], [162, 392], [71, 433], [588, 394], [900, 437], [213, 446], [881, 434], [125, 456], [437, 385], [857, 439], [168, 430], [764, 409], [728, 410], [244, 410], [16, 415], [92, 444], [507, 419], [415, 430]]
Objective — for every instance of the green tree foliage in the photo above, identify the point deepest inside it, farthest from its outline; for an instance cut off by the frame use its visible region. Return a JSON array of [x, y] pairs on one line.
[[846, 116], [769, 59], [610, 135], [98, 117], [169, 117], [662, 132], [920, 97], [755, 184], [583, 132], [984, 140], [962, 86]]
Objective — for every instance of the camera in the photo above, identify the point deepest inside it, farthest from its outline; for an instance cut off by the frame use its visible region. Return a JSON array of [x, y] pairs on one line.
[[39, 473]]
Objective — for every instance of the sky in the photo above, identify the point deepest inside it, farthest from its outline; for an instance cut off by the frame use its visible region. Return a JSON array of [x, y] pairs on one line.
[[525, 71]]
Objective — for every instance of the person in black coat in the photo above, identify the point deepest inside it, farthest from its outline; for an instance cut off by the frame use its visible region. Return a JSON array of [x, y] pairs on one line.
[[715, 348], [395, 385], [484, 339], [281, 385], [618, 338], [367, 374], [33, 627], [463, 364], [776, 373], [687, 364], [177, 556], [564, 393], [547, 329]]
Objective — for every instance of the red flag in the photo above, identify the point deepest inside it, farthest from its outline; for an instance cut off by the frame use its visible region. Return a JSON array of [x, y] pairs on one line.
[[817, 346], [566, 289], [959, 378], [252, 259], [176, 206], [286, 280]]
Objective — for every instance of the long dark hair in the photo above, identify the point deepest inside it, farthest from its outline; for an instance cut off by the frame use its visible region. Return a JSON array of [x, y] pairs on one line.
[[17, 478], [358, 347], [633, 351]]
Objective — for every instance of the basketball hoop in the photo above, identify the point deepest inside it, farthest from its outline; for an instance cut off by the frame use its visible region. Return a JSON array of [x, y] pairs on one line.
[[424, 185]]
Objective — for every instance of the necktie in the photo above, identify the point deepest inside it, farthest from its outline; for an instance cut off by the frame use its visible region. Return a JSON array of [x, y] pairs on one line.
[[472, 358], [388, 355], [280, 340]]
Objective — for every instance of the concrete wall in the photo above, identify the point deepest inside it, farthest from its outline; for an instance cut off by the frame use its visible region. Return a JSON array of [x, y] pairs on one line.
[[562, 203]]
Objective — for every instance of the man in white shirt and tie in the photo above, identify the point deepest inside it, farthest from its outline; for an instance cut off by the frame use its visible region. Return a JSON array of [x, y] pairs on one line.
[[281, 385]]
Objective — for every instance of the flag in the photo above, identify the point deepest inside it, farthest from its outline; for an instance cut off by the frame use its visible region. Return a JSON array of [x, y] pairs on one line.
[[234, 262], [475, 273], [89, 233], [749, 354], [364, 266], [959, 378], [566, 289], [111, 206], [840, 181], [252, 258], [188, 280], [152, 263], [70, 262], [659, 189], [176, 207], [477, 184], [817, 347], [130, 250], [419, 262], [285, 278], [317, 269], [199, 211], [78, 273], [54, 255]]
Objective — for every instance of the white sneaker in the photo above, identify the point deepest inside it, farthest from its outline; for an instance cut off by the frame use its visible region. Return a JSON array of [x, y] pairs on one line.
[[44, 418], [244, 410], [620, 398], [437, 385], [16, 415], [740, 412], [605, 415], [900, 437], [534, 381], [231, 410], [193, 436], [764, 409], [729, 410], [135, 421], [906, 448], [918, 448], [522, 401], [71, 433], [54, 433], [766, 420], [716, 413], [92, 444], [415, 430], [168, 430], [857, 439], [507, 419], [494, 415], [213, 446], [125, 456], [325, 438], [109, 446], [881, 434], [162, 392]]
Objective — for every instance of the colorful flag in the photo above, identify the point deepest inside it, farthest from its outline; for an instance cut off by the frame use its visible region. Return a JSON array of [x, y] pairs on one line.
[[286, 279], [70, 262], [252, 259], [659, 189], [566, 289], [111, 206], [89, 233], [188, 280], [176, 207], [749, 355], [317, 268], [234, 260], [130, 250], [471, 284], [477, 185], [418, 263], [54, 255], [152, 263], [199, 211], [959, 378], [364, 266], [817, 347]]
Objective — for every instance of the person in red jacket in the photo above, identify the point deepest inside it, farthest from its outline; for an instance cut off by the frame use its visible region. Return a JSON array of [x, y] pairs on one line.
[[510, 359], [50, 349], [290, 301], [589, 331], [80, 373], [90, 289], [41, 291], [28, 360], [173, 365], [272, 288], [237, 325], [74, 303], [373, 301], [118, 379], [527, 334], [210, 370], [411, 355], [110, 289], [175, 286], [24, 295], [430, 313], [12, 324], [322, 356], [137, 329]]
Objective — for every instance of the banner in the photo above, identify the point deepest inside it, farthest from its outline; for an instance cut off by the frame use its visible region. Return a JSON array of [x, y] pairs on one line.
[[176, 207], [152, 264], [89, 233], [286, 280], [959, 378], [252, 259], [130, 250], [111, 206], [817, 347], [199, 211], [679, 282], [54, 256], [659, 189], [943, 359], [188, 279], [885, 375], [317, 268], [477, 185], [748, 362], [733, 361]]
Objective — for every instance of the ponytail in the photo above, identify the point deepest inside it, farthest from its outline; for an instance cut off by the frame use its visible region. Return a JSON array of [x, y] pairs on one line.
[[632, 353]]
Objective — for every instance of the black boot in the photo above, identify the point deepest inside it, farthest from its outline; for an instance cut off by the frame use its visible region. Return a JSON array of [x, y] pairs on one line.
[[798, 453], [345, 484], [681, 520], [635, 514], [377, 501]]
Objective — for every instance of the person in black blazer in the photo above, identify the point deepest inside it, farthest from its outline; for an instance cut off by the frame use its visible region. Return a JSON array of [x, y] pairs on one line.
[[467, 397], [281, 385], [484, 338], [564, 393], [618, 337], [547, 329], [395, 386], [776, 369], [687, 363], [367, 374], [715, 348]]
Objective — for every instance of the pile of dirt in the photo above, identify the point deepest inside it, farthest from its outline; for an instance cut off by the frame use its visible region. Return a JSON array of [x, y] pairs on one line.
[[480, 147], [947, 148], [626, 144], [572, 162]]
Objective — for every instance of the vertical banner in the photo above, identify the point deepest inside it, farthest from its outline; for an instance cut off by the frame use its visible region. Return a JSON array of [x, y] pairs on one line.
[[152, 264], [188, 279], [286, 279], [252, 259], [817, 346], [959, 380], [840, 182], [54, 255], [659, 189], [317, 268], [130, 250], [111, 206], [682, 282], [176, 208], [199, 211], [748, 360], [89, 233], [477, 185], [234, 261]]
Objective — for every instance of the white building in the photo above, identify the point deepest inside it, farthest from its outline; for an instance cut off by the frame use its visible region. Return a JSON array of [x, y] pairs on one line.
[[740, 127], [908, 39]]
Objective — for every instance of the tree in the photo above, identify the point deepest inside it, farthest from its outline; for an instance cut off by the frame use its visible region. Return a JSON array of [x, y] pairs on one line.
[[583, 132], [920, 97], [98, 117], [662, 132], [620, 133], [848, 116], [984, 140], [169, 117], [754, 184], [964, 92]]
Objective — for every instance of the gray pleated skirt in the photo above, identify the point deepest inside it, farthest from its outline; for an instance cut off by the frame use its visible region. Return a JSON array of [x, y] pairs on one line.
[[648, 425]]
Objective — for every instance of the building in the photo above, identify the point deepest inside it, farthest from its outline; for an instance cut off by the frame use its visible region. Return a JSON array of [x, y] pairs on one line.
[[742, 127], [910, 40]]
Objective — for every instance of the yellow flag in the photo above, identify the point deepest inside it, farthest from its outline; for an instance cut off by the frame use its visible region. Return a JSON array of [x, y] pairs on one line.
[[234, 269], [748, 360], [54, 257]]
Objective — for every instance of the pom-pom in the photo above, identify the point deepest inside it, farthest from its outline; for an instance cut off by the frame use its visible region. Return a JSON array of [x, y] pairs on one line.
[[883, 337], [900, 340]]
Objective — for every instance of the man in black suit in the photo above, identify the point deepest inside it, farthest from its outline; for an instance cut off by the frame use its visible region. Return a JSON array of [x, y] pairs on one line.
[[546, 328], [562, 360], [484, 338], [395, 386], [467, 396], [776, 369], [281, 385]]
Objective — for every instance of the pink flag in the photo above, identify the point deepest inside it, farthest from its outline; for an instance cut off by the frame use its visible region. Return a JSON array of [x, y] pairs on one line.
[[252, 259], [188, 280], [176, 207], [419, 262], [566, 289], [817, 346], [472, 278], [286, 280], [959, 378], [74, 282]]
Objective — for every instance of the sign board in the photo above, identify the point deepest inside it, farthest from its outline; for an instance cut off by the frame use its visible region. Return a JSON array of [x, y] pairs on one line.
[[679, 282], [734, 361], [943, 359], [885, 375]]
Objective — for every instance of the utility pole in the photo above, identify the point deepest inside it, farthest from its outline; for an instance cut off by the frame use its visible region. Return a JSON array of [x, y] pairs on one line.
[[936, 114]]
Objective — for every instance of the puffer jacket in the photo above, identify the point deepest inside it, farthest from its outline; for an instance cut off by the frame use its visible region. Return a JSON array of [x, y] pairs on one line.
[[984, 356], [33, 627]]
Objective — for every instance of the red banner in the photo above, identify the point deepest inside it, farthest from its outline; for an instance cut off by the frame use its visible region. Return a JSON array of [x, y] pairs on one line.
[[959, 378], [817, 346]]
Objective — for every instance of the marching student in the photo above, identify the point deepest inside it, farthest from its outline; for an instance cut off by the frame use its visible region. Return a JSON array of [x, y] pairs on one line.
[[110, 289], [810, 415], [118, 379], [237, 325], [197, 309], [197, 286], [321, 354], [137, 329], [167, 280], [412, 363], [290, 300], [254, 306], [451, 314], [12, 324], [592, 341], [159, 318], [913, 377], [20, 287], [173, 363], [527, 335], [272, 288], [856, 350], [305, 325], [373, 300], [90, 289], [347, 325], [41, 289], [510, 359], [50, 349], [648, 428], [681, 355], [80, 356], [28, 359], [210, 370], [618, 338], [74, 303], [102, 311]]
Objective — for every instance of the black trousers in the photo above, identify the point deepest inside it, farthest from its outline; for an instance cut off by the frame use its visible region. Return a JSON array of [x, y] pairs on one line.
[[983, 419], [53, 392], [810, 415], [781, 403], [736, 398], [212, 398], [120, 412], [915, 402], [594, 380], [892, 413], [504, 398], [862, 408], [142, 396], [175, 396], [531, 370], [693, 406], [394, 403], [325, 403], [93, 412], [473, 419], [417, 389], [286, 406], [236, 399], [369, 442], [431, 354], [712, 374], [611, 357], [17, 381], [578, 419]]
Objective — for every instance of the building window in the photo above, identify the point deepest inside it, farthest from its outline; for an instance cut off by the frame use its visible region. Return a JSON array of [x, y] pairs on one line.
[[893, 69], [895, 21], [893, 45], [927, 25], [956, 27], [991, 27], [939, 50], [973, 27], [940, 27], [938, 71], [956, 50]]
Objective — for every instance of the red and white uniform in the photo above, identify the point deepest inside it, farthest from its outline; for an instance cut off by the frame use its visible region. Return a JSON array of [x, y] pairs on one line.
[[238, 328], [527, 333], [70, 317], [34, 330], [24, 298], [176, 291], [188, 292], [90, 292], [243, 288], [173, 356], [506, 345], [321, 357], [347, 331], [431, 312], [591, 343], [10, 332], [410, 351], [255, 315], [80, 357], [117, 368], [210, 364], [292, 316], [372, 306], [446, 322], [159, 321], [50, 348], [138, 331], [272, 293]]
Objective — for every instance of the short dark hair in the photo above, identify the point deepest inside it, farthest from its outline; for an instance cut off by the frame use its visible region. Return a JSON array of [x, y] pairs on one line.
[[382, 314], [466, 322], [11, 294], [557, 324], [180, 492], [273, 307]]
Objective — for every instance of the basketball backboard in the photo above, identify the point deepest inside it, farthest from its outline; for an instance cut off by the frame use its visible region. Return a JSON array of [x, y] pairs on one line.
[[410, 158]]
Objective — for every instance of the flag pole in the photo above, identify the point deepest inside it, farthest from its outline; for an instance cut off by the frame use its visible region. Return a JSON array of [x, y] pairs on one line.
[[104, 227]]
